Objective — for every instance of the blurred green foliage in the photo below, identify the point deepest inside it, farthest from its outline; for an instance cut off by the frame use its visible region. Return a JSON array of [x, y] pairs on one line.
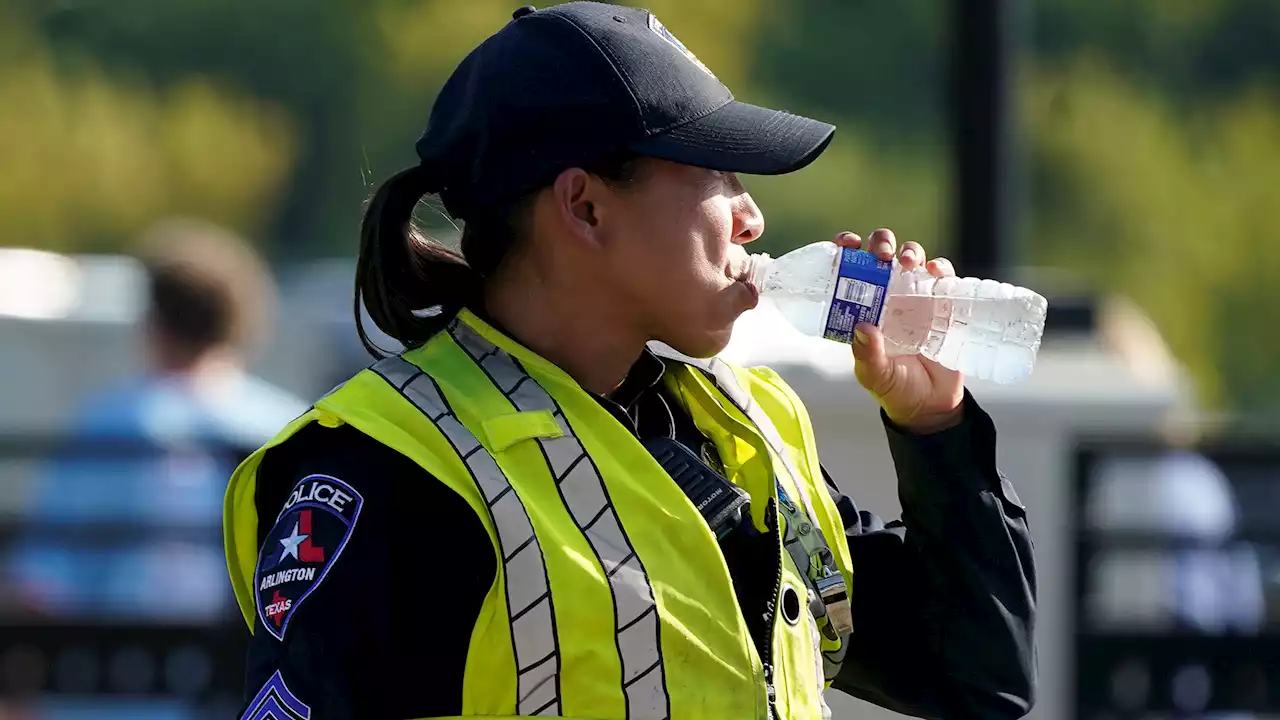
[[1150, 131], [1171, 207], [89, 155]]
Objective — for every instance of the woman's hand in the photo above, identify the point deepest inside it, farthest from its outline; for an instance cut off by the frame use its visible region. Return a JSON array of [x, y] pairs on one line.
[[917, 394]]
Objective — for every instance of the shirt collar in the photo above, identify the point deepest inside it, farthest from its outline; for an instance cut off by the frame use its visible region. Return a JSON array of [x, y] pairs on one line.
[[644, 375]]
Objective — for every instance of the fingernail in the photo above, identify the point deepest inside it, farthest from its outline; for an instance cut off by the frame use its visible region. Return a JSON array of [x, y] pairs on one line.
[[909, 252], [860, 337]]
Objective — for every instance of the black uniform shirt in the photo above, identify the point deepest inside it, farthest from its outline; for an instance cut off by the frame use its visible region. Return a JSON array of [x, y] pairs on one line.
[[943, 600]]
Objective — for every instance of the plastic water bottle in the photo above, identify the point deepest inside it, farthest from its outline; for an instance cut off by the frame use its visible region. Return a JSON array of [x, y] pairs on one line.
[[983, 328]]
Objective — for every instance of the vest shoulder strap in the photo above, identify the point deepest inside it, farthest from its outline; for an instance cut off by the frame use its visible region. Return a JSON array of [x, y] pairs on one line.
[[726, 379], [523, 580]]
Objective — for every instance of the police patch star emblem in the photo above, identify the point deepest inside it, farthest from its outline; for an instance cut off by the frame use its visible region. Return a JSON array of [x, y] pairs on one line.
[[306, 540], [656, 25]]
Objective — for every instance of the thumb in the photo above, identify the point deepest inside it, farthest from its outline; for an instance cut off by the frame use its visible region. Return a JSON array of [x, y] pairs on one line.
[[871, 366]]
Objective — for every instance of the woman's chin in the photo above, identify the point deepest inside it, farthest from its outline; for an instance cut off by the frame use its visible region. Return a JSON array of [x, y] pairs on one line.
[[703, 345]]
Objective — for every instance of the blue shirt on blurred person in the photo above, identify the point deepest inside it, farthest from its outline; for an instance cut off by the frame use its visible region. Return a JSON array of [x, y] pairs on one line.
[[124, 521]]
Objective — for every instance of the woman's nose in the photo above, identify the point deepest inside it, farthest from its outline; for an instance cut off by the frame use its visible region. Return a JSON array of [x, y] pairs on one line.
[[748, 221]]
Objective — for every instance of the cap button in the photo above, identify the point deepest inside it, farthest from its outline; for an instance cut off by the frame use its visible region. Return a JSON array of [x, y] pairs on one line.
[[521, 12]]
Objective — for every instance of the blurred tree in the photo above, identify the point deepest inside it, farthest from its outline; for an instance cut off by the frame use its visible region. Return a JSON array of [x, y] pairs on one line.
[[1243, 168], [1193, 51], [305, 56], [1168, 208], [879, 64], [90, 159]]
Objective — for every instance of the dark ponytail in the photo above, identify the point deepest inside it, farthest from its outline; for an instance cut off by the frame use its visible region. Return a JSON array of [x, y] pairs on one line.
[[401, 274], [413, 286]]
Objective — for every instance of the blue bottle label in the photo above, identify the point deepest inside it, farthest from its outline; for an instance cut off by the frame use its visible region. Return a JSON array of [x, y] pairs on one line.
[[861, 286]]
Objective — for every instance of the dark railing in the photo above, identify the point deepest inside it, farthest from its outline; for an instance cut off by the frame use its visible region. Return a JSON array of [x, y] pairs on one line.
[[145, 656], [1163, 664]]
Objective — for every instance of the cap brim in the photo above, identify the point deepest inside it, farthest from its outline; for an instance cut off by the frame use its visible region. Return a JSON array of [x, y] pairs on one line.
[[743, 138]]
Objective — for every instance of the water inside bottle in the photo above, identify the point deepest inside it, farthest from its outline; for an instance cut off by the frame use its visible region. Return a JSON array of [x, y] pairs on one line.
[[988, 338]]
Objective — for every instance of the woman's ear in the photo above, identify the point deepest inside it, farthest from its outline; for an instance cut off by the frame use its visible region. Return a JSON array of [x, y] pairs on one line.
[[575, 197]]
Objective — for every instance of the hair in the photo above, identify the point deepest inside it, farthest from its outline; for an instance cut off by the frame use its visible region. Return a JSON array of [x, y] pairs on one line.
[[413, 286], [208, 288]]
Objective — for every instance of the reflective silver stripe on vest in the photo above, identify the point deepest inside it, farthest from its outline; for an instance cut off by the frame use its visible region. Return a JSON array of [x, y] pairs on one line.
[[529, 604], [584, 493]]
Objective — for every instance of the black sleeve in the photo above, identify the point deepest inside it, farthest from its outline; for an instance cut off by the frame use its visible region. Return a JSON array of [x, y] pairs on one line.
[[944, 599], [384, 632]]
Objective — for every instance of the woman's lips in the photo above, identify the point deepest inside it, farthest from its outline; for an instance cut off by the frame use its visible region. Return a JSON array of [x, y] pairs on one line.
[[742, 276], [755, 292]]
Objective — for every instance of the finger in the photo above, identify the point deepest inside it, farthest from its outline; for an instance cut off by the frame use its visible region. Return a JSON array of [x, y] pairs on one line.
[[940, 267], [912, 255], [871, 365], [882, 244], [849, 240]]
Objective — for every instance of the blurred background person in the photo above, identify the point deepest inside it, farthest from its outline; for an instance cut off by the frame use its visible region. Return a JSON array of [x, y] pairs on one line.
[[1204, 581], [148, 459]]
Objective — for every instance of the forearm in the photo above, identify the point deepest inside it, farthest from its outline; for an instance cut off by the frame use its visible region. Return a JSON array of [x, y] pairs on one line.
[[948, 593]]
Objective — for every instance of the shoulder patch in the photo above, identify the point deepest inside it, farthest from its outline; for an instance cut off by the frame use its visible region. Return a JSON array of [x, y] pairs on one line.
[[308, 536], [276, 702], [661, 30]]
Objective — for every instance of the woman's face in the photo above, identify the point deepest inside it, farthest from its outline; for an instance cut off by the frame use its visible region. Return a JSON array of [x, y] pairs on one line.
[[674, 245]]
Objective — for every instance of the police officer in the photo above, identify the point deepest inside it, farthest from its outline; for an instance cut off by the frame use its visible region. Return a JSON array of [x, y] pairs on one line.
[[557, 501]]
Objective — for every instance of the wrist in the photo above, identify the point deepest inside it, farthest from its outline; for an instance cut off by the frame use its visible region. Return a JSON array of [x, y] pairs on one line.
[[931, 423]]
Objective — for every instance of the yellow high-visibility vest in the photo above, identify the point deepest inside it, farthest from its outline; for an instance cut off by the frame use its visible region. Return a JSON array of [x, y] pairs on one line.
[[612, 598]]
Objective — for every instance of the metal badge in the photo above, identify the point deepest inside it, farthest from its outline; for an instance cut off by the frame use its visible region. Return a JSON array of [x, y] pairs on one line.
[[835, 597]]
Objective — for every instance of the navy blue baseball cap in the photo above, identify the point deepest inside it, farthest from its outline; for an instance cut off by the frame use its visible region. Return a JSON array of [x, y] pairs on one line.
[[575, 83]]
